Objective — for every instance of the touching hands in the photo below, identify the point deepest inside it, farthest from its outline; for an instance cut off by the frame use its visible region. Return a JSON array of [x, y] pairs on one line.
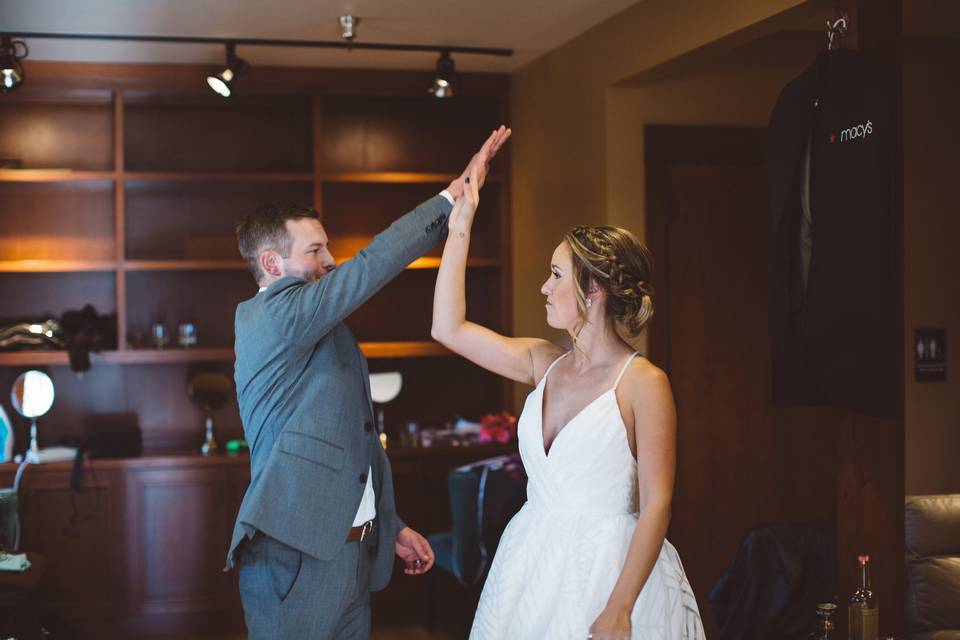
[[415, 552], [461, 217], [481, 161]]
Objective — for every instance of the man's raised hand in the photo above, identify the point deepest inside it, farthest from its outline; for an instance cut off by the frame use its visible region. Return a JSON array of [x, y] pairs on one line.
[[479, 164]]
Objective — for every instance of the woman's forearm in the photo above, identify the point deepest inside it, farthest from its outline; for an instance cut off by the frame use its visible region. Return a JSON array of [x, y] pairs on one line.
[[642, 556], [449, 297]]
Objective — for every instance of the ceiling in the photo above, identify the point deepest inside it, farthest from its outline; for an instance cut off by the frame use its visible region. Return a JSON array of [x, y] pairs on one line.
[[530, 27]]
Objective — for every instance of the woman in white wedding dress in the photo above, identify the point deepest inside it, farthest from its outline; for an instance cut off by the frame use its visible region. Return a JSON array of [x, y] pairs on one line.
[[586, 556]]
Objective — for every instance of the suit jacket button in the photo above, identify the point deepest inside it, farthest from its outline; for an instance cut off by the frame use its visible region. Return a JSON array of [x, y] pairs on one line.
[[367, 426], [363, 478], [428, 228]]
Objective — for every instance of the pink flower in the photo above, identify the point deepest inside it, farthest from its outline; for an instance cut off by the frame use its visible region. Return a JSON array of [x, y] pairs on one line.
[[498, 427]]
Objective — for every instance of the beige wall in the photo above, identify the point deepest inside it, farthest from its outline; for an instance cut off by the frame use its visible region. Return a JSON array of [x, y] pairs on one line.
[[578, 158], [931, 144], [561, 163]]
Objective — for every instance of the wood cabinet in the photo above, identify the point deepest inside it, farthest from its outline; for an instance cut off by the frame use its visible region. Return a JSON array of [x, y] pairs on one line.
[[121, 187], [139, 548], [76, 533]]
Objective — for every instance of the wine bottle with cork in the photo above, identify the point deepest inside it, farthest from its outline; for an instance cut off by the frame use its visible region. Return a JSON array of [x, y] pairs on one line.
[[864, 614]]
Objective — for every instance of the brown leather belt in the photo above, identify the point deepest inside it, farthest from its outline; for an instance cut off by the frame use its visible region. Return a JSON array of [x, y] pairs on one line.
[[361, 533]]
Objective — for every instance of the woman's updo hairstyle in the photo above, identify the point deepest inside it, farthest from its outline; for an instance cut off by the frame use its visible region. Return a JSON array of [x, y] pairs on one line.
[[620, 265]]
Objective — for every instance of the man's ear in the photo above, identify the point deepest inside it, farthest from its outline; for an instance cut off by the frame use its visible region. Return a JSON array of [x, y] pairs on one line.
[[270, 263]]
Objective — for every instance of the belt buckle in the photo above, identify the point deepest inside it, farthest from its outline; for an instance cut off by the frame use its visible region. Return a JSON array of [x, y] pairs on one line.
[[367, 526]]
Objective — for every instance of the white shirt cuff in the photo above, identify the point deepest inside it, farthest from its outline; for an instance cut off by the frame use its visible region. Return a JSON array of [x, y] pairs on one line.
[[446, 194]]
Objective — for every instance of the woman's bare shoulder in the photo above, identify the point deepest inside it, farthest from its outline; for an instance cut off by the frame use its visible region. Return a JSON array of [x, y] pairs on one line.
[[645, 381]]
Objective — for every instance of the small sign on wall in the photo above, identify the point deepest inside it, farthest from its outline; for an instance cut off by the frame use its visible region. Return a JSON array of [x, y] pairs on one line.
[[930, 355]]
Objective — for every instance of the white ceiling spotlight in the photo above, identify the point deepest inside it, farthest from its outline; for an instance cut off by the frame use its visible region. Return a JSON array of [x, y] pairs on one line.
[[11, 69], [348, 27], [445, 77], [222, 83]]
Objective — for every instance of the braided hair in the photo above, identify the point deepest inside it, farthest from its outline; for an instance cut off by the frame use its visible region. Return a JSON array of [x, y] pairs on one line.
[[622, 266]]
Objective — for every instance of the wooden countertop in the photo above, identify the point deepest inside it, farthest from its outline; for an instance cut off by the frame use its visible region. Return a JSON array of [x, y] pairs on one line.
[[155, 461]]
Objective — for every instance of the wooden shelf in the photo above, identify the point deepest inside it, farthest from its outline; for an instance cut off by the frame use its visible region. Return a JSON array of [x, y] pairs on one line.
[[33, 358], [225, 354], [240, 265], [371, 177], [169, 356], [431, 262], [53, 175], [403, 349], [389, 177], [394, 177], [131, 356], [55, 266], [184, 265], [215, 176], [434, 263]]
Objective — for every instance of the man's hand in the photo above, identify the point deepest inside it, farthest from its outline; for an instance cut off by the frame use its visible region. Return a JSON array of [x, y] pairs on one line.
[[415, 552], [481, 161]]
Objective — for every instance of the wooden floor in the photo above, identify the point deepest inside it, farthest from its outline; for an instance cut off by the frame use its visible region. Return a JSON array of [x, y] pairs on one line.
[[398, 633], [409, 633]]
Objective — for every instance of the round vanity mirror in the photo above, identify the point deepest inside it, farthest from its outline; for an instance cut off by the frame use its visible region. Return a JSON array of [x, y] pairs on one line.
[[32, 396]]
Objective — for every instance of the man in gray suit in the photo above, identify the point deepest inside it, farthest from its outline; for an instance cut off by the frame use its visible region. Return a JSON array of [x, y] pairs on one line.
[[317, 529]]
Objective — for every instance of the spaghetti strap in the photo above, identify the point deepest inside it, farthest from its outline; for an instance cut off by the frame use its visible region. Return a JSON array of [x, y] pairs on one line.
[[550, 368], [623, 370]]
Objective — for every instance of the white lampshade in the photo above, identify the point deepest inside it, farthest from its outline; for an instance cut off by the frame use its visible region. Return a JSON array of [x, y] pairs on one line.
[[384, 387]]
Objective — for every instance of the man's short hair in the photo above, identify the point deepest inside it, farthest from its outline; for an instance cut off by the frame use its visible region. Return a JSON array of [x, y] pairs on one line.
[[266, 228]]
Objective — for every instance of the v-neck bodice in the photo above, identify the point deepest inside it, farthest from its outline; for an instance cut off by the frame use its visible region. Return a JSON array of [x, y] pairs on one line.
[[589, 466]]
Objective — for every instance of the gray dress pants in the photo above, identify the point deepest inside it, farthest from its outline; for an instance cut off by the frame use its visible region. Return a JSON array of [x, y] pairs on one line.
[[288, 595]]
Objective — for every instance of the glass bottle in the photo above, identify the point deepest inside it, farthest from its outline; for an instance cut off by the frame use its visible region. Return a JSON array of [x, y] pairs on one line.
[[864, 614]]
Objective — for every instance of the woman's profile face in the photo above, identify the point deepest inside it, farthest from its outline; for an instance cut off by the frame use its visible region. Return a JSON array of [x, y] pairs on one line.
[[562, 311]]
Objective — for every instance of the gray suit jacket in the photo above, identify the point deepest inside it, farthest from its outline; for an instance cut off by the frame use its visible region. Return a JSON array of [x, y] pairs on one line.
[[304, 394]]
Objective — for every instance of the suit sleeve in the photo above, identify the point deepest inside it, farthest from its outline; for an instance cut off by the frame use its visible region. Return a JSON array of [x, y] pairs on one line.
[[310, 310]]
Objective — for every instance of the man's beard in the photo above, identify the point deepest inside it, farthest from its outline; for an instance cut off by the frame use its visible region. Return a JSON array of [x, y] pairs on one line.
[[309, 276]]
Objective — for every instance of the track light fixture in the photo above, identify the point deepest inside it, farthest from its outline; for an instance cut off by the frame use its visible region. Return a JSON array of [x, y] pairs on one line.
[[222, 83], [11, 70], [445, 77], [13, 51]]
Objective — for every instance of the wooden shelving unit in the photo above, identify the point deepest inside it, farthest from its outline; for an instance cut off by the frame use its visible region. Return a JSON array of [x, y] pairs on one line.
[[130, 198], [129, 182]]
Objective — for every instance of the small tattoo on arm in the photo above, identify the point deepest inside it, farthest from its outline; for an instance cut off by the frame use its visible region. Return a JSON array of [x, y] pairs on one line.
[[462, 234]]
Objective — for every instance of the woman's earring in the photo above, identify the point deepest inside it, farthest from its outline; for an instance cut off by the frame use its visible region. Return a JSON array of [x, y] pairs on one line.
[[589, 303]]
